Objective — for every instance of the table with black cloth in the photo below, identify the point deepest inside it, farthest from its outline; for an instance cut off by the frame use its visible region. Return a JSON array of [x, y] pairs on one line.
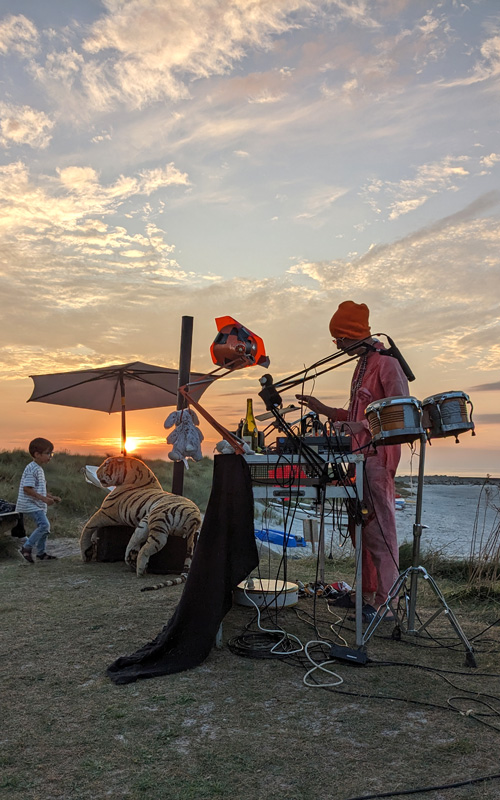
[[225, 554]]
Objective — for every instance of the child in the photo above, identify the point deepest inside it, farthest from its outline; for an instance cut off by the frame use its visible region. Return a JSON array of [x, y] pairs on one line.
[[33, 499]]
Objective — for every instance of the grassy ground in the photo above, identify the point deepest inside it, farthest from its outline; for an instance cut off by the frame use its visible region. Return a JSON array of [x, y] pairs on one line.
[[236, 727]]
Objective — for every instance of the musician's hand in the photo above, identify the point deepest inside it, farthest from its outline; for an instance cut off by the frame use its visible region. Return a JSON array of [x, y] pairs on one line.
[[311, 402], [354, 428]]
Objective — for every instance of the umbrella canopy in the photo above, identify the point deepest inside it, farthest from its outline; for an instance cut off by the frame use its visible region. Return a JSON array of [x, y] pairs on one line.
[[119, 387]]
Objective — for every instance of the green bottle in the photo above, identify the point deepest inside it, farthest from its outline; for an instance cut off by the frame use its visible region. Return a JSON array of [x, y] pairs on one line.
[[249, 432]]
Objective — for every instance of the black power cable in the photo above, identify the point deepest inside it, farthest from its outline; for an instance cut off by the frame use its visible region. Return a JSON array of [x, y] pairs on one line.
[[421, 790]]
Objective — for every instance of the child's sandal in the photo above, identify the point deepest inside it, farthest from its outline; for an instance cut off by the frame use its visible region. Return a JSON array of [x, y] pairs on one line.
[[26, 552]]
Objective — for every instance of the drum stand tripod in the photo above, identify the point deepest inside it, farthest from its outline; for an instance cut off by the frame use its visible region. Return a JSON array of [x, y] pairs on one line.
[[411, 575]]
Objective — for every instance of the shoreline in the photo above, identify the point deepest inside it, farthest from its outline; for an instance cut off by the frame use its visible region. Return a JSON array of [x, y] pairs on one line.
[[447, 480]]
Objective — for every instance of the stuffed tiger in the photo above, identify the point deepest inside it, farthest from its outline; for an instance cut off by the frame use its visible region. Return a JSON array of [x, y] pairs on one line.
[[139, 501]]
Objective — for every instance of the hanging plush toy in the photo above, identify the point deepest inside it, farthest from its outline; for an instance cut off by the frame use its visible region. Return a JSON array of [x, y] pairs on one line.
[[185, 437]]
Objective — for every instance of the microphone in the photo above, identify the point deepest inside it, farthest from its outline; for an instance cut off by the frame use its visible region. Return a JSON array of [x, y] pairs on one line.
[[396, 353], [393, 351], [269, 394]]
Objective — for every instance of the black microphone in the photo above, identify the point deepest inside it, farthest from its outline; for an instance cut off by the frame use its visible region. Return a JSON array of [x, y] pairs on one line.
[[269, 394], [396, 353]]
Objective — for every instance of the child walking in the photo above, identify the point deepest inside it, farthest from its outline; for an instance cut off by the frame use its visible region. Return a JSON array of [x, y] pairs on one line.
[[33, 499]]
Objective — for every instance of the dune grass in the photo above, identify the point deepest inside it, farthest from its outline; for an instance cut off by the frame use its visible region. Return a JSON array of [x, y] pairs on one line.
[[81, 499]]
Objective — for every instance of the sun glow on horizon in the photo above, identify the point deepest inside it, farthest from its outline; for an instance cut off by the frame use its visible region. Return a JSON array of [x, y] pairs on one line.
[[132, 443]]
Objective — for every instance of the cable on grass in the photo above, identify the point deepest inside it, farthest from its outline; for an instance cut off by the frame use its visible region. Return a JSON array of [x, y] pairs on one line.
[[299, 662], [478, 714], [255, 645], [261, 648], [284, 636], [421, 790], [496, 622], [322, 667], [442, 673]]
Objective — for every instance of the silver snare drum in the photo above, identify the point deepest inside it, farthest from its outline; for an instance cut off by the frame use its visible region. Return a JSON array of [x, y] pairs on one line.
[[447, 414], [395, 420]]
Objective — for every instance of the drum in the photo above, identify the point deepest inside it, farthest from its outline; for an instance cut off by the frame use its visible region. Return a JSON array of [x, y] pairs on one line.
[[395, 420], [446, 414]]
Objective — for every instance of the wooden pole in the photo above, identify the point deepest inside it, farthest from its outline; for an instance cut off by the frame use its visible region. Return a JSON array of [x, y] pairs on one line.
[[184, 372]]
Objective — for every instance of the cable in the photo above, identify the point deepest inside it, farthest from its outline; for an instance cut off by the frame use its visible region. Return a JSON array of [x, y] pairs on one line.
[[237, 647], [423, 789], [321, 667], [285, 636]]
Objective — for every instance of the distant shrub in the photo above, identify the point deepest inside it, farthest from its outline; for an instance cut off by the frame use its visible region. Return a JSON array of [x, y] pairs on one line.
[[437, 565]]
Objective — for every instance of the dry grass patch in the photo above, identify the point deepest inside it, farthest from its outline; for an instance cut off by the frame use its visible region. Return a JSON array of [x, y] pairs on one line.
[[235, 728]]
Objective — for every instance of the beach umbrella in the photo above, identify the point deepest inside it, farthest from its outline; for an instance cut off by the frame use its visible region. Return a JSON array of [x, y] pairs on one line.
[[117, 388]]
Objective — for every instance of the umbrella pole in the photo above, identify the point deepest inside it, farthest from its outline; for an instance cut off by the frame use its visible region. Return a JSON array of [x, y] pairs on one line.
[[184, 371], [124, 428]]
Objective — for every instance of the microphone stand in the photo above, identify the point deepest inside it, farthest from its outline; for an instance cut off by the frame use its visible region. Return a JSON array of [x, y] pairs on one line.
[[413, 573], [319, 467]]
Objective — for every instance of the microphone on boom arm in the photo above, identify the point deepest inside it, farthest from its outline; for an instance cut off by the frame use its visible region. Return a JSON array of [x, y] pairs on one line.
[[394, 351], [269, 394]]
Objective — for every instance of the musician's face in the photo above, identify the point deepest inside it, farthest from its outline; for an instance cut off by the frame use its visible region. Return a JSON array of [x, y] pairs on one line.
[[346, 345]]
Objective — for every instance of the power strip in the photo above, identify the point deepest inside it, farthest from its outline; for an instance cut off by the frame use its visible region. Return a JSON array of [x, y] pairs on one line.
[[358, 657]]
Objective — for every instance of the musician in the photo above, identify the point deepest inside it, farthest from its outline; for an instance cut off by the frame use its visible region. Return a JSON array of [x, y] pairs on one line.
[[375, 377]]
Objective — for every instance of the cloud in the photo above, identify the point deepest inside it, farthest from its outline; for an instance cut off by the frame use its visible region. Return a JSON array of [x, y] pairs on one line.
[[18, 35], [408, 194], [76, 254], [488, 162], [439, 283], [45, 204], [24, 125], [388, 63], [266, 97], [145, 51], [487, 419], [320, 201], [156, 49], [486, 67], [159, 178], [487, 387]]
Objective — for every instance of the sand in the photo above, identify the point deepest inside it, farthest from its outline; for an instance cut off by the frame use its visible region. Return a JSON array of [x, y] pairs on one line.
[[448, 511]]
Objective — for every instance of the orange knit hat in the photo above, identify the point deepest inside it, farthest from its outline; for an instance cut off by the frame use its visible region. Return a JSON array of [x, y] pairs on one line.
[[350, 321]]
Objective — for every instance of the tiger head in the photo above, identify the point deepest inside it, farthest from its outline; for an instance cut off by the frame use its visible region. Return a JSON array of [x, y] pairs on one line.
[[120, 470]]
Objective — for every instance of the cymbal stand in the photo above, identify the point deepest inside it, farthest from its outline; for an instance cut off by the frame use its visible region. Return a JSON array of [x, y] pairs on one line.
[[411, 576]]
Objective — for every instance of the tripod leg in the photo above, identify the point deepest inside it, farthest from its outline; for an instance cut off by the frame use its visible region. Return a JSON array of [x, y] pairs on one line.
[[388, 607], [470, 660], [417, 533]]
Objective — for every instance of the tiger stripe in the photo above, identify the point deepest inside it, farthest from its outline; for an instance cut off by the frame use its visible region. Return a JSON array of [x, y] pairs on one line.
[[138, 500]]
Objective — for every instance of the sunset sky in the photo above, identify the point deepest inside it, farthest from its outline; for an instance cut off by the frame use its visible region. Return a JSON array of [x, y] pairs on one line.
[[265, 159]]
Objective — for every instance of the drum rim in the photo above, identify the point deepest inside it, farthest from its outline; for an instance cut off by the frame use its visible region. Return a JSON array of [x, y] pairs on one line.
[[433, 398], [393, 401], [398, 432]]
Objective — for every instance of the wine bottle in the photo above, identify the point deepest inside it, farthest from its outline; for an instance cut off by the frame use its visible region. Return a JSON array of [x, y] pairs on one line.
[[249, 432]]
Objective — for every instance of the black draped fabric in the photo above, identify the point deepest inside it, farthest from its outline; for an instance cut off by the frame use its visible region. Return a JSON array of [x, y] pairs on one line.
[[225, 554]]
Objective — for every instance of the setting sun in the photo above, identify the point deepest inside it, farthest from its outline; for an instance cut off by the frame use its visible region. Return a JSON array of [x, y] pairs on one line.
[[131, 444]]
